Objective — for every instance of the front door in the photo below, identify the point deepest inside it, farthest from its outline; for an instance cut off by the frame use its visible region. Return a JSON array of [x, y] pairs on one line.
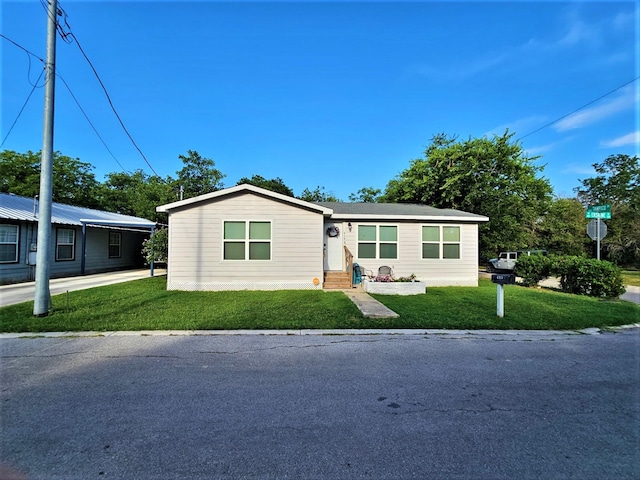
[[333, 249]]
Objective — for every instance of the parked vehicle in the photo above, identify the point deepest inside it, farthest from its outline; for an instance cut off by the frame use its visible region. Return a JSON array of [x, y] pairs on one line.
[[507, 260]]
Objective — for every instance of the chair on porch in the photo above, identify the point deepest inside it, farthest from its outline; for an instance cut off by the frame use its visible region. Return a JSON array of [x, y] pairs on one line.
[[385, 273]]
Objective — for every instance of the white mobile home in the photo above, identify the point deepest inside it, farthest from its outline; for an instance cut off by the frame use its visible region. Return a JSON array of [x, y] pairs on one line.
[[249, 238]]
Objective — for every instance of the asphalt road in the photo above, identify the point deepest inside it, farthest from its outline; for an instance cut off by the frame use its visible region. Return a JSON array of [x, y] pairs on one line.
[[494, 406]]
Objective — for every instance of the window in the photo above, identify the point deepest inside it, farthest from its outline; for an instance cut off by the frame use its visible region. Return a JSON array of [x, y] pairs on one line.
[[65, 244], [440, 242], [377, 241], [8, 243], [247, 240], [115, 244]]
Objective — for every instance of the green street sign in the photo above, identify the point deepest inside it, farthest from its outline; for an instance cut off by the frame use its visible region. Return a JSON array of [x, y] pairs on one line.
[[602, 215], [599, 211]]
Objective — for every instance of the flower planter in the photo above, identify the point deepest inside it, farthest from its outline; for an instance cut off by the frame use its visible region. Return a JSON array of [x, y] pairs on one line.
[[395, 288]]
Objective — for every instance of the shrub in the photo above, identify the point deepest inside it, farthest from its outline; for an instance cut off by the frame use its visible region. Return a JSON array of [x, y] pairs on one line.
[[532, 269], [157, 246], [588, 276]]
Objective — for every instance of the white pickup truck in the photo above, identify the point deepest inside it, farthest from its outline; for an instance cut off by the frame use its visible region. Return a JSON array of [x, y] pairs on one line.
[[507, 260]]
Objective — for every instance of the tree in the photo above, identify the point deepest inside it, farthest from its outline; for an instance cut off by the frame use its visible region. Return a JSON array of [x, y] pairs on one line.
[[73, 181], [562, 230], [617, 183], [491, 177], [366, 195], [198, 175], [137, 194], [275, 184], [317, 195]]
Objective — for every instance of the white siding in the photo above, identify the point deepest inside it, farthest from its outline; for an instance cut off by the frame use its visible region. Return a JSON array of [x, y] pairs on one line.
[[435, 272], [196, 246]]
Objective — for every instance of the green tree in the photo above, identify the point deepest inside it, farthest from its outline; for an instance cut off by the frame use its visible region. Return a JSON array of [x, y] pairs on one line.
[[275, 184], [198, 175], [366, 195], [73, 181], [491, 177], [562, 230], [137, 194], [317, 195], [617, 183]]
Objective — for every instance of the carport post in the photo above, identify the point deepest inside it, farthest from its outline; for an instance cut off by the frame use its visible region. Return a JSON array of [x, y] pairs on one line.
[[83, 254], [153, 229]]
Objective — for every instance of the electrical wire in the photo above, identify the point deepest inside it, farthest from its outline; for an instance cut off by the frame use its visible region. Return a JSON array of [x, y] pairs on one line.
[[578, 109], [70, 35], [22, 109], [90, 123]]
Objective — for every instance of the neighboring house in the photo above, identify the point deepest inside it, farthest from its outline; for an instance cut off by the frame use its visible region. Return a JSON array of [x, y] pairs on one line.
[[83, 240], [246, 237]]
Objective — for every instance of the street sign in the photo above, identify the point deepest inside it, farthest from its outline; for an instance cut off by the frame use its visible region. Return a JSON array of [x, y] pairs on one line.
[[599, 211], [593, 230]]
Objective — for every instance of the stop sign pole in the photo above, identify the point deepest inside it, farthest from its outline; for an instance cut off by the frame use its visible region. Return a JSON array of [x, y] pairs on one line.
[[596, 213]]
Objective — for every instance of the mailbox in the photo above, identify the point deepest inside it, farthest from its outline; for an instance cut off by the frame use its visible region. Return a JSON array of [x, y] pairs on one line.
[[504, 279]]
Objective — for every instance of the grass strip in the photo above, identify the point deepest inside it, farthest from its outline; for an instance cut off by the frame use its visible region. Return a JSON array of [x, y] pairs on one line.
[[147, 305]]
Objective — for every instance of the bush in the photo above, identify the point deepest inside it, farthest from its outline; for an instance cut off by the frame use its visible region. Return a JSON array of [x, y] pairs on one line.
[[156, 247], [588, 276], [532, 269]]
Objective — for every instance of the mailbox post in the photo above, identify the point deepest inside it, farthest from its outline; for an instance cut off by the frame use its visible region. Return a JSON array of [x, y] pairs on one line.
[[501, 280]]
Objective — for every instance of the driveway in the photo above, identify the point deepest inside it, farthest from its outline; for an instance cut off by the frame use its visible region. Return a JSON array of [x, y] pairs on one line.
[[23, 292], [460, 406]]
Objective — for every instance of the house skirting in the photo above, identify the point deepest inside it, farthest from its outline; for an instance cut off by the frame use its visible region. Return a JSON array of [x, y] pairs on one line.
[[243, 285]]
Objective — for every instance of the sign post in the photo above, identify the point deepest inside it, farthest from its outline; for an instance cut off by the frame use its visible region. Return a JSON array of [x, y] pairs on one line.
[[597, 213]]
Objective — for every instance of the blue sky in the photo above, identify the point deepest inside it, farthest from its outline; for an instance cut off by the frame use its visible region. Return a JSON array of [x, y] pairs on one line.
[[336, 94]]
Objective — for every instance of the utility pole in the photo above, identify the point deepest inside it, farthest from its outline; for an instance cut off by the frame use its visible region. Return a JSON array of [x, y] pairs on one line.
[[43, 260]]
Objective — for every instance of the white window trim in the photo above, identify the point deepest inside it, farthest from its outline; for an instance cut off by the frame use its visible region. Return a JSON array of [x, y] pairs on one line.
[[73, 245], [441, 242], [247, 241], [377, 241], [16, 243]]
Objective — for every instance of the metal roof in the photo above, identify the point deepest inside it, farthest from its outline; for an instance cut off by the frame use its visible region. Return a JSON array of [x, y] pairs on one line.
[[407, 211], [15, 207]]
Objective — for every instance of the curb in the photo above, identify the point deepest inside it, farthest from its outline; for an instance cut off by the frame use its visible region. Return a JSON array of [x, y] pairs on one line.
[[345, 332]]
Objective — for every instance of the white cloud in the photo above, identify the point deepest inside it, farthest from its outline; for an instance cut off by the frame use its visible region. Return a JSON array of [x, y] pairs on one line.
[[520, 126], [584, 117], [632, 138]]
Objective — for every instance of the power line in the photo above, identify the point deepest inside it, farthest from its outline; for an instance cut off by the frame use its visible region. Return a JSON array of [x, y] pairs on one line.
[[579, 108], [22, 109], [90, 123], [21, 47], [71, 35]]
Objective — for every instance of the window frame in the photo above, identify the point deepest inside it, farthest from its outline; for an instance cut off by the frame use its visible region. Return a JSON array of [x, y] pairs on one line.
[[118, 244], [58, 245], [247, 241], [16, 243], [378, 242], [441, 242]]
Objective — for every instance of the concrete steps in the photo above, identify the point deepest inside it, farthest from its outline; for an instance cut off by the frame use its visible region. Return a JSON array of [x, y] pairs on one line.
[[334, 280]]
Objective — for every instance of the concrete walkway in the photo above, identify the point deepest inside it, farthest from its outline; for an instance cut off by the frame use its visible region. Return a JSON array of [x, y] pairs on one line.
[[369, 306], [23, 292]]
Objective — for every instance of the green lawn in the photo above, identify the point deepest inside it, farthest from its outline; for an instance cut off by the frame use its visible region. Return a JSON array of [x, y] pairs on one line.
[[147, 305]]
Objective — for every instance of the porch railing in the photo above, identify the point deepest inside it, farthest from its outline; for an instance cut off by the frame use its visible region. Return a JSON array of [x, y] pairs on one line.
[[349, 259]]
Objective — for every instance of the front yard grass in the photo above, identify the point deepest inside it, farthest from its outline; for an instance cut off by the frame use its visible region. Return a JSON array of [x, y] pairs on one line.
[[631, 277], [147, 305]]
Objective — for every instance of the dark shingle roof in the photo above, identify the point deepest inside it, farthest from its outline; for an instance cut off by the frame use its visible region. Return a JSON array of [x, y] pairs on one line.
[[398, 210]]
